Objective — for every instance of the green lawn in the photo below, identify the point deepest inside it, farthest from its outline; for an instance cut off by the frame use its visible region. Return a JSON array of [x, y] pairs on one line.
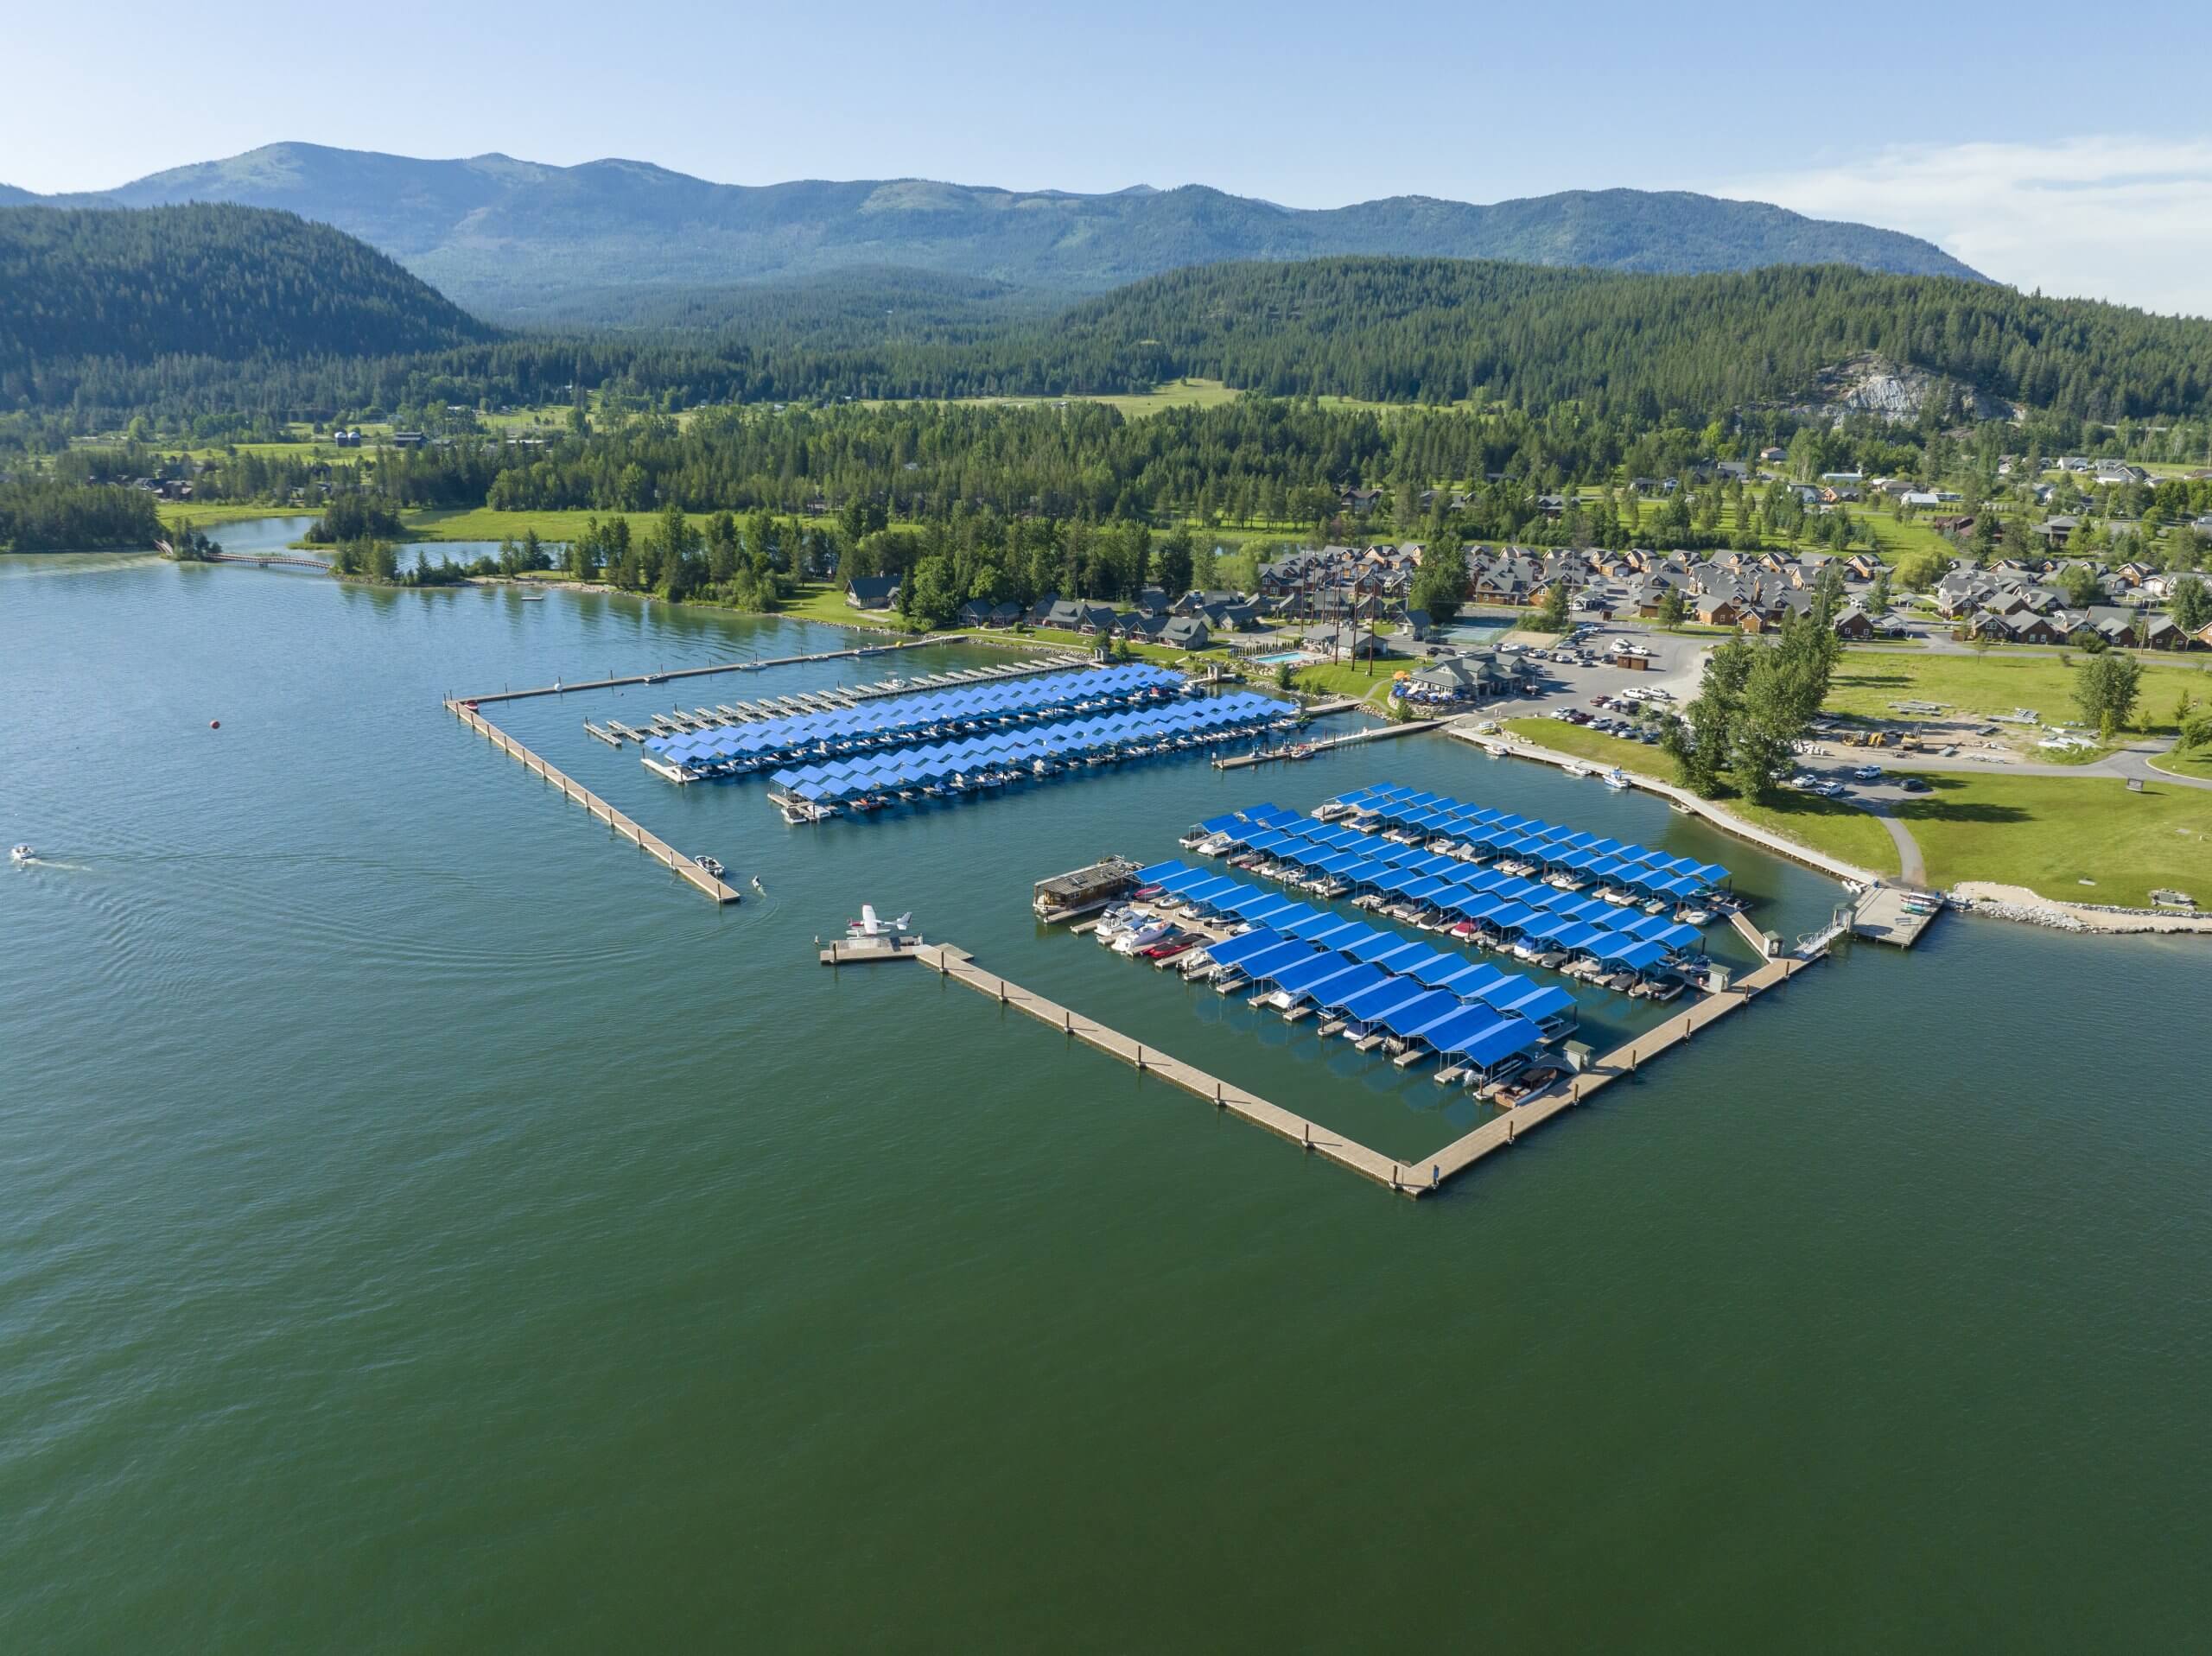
[[1169, 394], [2048, 834], [1834, 826], [1890, 537], [1348, 678], [2196, 762], [1867, 681], [483, 523], [1594, 746], [824, 600], [199, 514]]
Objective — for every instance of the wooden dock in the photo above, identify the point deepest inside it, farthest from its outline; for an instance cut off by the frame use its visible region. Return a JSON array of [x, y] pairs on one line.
[[1462, 1153], [651, 844], [959, 966], [1881, 915], [675, 673], [1429, 1174], [867, 951], [1309, 750]]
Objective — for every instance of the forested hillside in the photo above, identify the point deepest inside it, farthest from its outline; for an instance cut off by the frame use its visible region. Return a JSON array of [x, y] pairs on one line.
[[1680, 349], [527, 242], [231, 284], [1435, 330]]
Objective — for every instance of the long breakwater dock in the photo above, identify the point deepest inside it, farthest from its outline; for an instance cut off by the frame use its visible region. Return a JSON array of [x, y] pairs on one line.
[[1417, 1178], [723, 715], [625, 827], [668, 675], [1322, 745]]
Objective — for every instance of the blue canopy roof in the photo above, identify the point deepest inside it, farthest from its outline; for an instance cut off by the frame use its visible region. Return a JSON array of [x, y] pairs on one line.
[[1235, 951], [1536, 1001], [1386, 996], [1425, 1009], [1357, 980], [1262, 967]]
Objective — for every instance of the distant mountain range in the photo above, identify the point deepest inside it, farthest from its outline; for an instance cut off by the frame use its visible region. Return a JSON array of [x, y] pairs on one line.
[[519, 240]]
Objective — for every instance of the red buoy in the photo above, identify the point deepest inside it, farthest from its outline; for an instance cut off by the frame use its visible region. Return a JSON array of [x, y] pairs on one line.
[[214, 724]]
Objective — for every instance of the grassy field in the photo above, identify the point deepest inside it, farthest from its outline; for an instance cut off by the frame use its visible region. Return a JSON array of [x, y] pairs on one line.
[[201, 514], [1831, 825], [1593, 745], [824, 600], [1170, 394], [1867, 681], [2049, 833], [2195, 764], [1891, 537], [483, 523], [1827, 825], [1346, 678]]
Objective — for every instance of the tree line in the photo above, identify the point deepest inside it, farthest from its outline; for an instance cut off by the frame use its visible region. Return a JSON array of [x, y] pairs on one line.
[[44, 515], [97, 337]]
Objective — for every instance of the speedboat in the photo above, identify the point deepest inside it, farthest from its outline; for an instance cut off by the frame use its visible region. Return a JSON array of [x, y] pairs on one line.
[[21, 854], [1143, 938], [712, 864]]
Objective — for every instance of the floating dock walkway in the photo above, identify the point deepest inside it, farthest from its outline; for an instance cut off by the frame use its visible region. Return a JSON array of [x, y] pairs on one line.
[[651, 844], [1307, 750], [1418, 1178], [960, 965], [679, 722], [675, 673], [1500, 1133]]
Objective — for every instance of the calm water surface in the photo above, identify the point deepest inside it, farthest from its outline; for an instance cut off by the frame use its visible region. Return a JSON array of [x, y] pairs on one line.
[[425, 1224]]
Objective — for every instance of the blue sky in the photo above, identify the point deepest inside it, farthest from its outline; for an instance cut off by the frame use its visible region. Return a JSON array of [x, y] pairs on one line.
[[2051, 147]]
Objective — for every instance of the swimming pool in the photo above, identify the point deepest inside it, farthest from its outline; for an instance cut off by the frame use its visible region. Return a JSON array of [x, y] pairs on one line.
[[1277, 661]]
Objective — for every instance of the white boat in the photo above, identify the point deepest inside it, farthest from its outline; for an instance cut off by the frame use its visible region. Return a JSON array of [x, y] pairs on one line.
[[712, 864], [21, 854], [1616, 779], [1143, 936]]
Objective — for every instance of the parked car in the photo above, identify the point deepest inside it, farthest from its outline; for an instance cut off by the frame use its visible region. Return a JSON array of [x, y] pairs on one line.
[[1868, 773], [1915, 785]]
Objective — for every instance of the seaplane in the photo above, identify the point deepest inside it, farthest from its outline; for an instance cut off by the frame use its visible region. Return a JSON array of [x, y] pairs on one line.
[[867, 926]]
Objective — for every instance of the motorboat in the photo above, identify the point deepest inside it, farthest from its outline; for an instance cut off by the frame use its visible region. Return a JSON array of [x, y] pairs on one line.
[[1144, 937], [21, 854], [712, 864], [1616, 779]]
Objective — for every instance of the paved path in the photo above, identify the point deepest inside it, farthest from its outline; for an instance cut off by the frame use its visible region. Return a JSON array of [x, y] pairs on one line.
[[1912, 868]]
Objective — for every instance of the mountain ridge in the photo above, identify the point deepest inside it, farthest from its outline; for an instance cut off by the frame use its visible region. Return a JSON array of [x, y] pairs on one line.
[[514, 239], [209, 281]]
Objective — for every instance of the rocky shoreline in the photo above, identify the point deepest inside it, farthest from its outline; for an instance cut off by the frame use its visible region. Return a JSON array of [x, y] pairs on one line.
[[2018, 903]]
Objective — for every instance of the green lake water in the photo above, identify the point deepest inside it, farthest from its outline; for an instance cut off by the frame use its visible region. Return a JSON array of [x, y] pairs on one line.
[[426, 1224]]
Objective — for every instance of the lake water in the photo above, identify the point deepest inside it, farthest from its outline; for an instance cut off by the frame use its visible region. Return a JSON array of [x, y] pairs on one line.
[[426, 1223]]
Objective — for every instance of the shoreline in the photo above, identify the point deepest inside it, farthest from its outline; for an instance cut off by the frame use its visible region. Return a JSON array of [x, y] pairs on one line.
[[1719, 816], [1989, 898]]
